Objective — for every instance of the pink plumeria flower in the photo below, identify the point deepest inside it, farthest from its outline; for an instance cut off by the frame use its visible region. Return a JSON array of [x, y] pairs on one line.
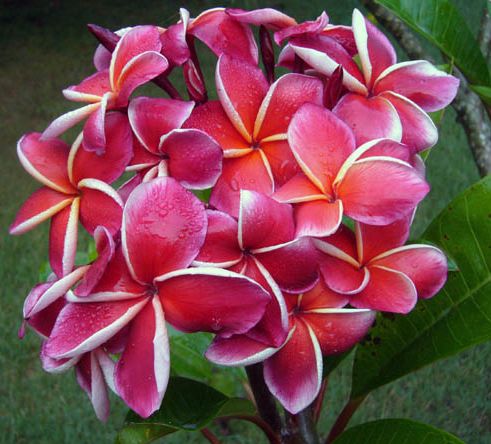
[[75, 188], [386, 99], [262, 246], [250, 122], [336, 179], [318, 325], [135, 61], [146, 283], [376, 270], [163, 149]]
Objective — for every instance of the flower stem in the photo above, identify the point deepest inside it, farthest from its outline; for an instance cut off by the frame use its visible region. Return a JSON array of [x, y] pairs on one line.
[[344, 418], [317, 406], [210, 436], [300, 428], [273, 438], [266, 405]]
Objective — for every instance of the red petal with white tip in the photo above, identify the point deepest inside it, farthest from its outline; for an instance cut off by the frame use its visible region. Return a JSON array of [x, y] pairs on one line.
[[369, 118], [425, 265], [46, 161], [320, 142], [142, 372], [164, 227], [281, 161], [420, 82], [69, 119], [318, 218], [264, 222], [228, 303], [271, 18], [99, 205], [294, 373], [321, 296], [249, 172], [308, 27], [195, 159], [90, 89], [39, 206], [342, 276], [241, 88], [82, 327], [298, 189], [388, 290], [153, 118], [221, 247], [94, 134], [63, 236]]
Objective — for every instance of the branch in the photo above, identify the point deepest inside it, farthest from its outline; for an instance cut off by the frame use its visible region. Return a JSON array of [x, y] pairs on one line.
[[485, 34], [344, 418], [210, 436], [263, 425], [317, 406], [470, 110], [300, 428], [266, 405]]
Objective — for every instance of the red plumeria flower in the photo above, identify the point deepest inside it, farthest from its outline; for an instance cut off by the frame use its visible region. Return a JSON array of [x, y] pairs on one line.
[[75, 188], [318, 326], [376, 269], [262, 245], [135, 61], [387, 99], [146, 283], [250, 123], [188, 155], [337, 179]]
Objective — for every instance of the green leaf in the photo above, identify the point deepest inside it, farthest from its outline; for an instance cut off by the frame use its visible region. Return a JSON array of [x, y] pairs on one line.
[[458, 317], [441, 23], [484, 92], [396, 431], [332, 362], [188, 405], [203, 195]]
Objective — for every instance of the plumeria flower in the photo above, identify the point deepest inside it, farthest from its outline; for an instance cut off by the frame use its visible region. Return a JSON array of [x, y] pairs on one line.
[[146, 283], [318, 325], [262, 245], [374, 268], [75, 187], [163, 149], [135, 61], [386, 99], [250, 122], [336, 179]]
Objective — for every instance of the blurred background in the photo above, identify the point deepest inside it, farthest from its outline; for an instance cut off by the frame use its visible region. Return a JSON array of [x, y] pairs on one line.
[[44, 47]]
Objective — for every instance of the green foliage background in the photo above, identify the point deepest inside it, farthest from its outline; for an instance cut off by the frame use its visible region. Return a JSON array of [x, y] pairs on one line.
[[44, 47]]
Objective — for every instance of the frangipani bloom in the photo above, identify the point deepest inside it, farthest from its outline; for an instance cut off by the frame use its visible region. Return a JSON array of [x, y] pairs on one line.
[[250, 122], [386, 99], [318, 325], [163, 229], [135, 61], [336, 179], [375, 270], [75, 188], [188, 155], [262, 246]]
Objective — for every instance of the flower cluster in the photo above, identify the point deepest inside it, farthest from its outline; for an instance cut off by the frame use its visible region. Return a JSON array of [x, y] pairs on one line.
[[314, 179]]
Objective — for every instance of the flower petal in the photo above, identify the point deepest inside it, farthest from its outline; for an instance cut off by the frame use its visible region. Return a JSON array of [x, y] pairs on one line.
[[320, 142], [342, 276], [338, 332], [221, 248], [298, 189], [281, 160], [388, 290], [46, 161], [318, 218], [142, 372], [83, 327], [271, 18], [418, 130], [248, 172], [39, 206], [227, 303], [99, 205], [69, 119], [425, 265], [263, 222], [321, 296], [307, 27], [110, 164], [94, 133], [241, 88], [380, 190], [225, 35], [164, 228], [284, 98], [151, 118], [294, 373], [374, 48], [195, 159], [420, 82], [369, 118], [91, 89], [63, 235]]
